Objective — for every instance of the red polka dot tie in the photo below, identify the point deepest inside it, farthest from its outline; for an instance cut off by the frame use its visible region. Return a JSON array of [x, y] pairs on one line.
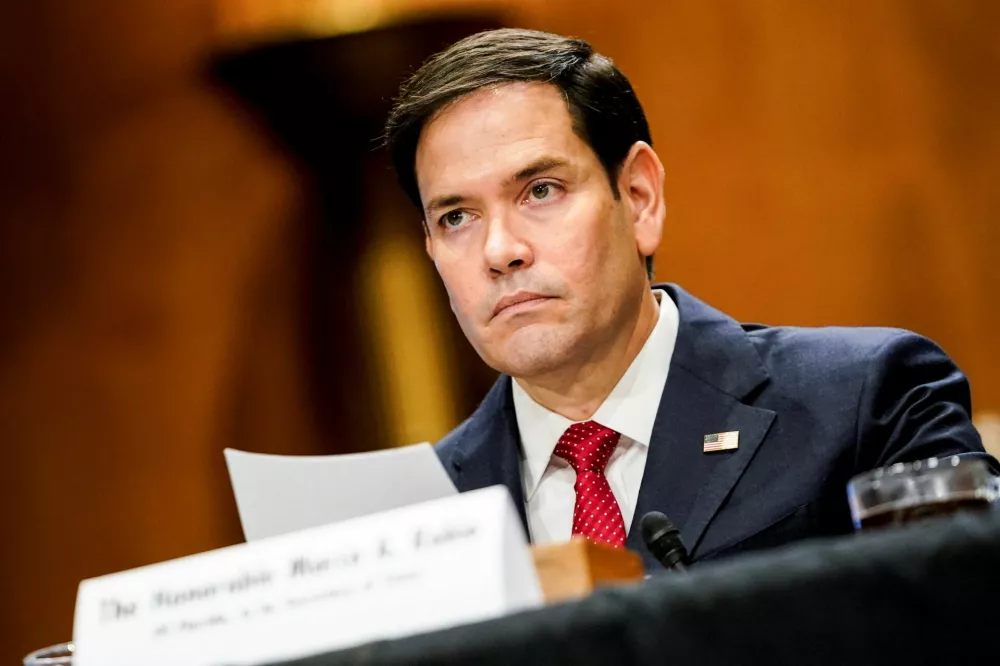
[[587, 447]]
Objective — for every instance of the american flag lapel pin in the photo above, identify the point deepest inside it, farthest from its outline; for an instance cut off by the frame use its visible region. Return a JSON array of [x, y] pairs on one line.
[[722, 441]]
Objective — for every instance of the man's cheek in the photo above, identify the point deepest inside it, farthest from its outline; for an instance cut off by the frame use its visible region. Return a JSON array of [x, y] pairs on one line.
[[454, 297], [463, 310]]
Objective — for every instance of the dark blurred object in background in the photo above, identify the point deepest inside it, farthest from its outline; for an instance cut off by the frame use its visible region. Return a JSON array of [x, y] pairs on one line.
[[326, 101]]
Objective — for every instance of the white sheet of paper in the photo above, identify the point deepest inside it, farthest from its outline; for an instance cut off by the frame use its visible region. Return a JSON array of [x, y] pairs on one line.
[[420, 568], [280, 494]]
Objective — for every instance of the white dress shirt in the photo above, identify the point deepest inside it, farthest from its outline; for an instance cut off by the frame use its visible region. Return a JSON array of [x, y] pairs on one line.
[[629, 409]]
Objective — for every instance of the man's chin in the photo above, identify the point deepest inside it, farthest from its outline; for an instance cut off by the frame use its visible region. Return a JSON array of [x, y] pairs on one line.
[[530, 353]]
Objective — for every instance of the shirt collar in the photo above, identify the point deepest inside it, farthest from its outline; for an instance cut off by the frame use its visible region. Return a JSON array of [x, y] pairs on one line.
[[630, 408]]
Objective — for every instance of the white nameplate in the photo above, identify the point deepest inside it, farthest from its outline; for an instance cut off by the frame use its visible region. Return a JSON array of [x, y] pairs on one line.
[[419, 568]]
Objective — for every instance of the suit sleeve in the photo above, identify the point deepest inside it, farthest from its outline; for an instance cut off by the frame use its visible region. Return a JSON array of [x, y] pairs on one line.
[[915, 404]]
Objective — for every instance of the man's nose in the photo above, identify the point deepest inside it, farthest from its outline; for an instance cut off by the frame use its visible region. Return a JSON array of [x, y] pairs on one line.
[[506, 249]]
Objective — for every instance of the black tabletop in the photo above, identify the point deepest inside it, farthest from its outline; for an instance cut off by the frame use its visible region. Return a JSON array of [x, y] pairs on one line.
[[925, 594]]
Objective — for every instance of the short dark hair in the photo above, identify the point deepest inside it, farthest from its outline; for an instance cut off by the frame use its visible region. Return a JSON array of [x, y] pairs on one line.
[[605, 110]]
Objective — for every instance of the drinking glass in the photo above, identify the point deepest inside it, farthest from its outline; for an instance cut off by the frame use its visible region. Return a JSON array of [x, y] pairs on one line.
[[906, 492], [55, 655]]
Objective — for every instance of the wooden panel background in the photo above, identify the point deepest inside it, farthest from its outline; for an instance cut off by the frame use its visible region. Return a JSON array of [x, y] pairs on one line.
[[826, 163]]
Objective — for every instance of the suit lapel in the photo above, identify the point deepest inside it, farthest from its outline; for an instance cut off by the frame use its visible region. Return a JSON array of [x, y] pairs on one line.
[[489, 453], [713, 369]]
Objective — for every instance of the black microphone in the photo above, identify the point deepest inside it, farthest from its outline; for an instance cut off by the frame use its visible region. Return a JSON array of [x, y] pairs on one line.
[[663, 540]]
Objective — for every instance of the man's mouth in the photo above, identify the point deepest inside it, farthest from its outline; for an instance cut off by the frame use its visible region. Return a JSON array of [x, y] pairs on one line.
[[518, 301]]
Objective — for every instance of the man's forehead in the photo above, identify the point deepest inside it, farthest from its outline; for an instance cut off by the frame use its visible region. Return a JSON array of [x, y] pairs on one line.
[[493, 133]]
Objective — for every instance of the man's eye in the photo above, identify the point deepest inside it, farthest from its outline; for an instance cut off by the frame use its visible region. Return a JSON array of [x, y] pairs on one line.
[[453, 218], [541, 191]]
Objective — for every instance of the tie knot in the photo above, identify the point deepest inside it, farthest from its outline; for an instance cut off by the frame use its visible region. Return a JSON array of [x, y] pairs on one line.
[[587, 446]]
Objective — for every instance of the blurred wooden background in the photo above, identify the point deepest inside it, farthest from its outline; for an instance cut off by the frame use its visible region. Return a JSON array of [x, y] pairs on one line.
[[177, 277]]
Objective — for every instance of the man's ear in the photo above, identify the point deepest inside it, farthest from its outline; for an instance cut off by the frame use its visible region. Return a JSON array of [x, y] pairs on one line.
[[640, 184]]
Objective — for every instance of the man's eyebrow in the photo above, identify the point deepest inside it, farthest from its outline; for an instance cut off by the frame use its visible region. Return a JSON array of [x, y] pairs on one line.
[[443, 202], [537, 167]]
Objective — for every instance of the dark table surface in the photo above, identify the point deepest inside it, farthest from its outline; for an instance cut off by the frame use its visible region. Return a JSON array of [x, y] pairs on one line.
[[925, 594]]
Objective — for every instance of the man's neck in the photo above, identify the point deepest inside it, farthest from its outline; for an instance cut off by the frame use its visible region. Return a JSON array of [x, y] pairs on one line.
[[577, 393]]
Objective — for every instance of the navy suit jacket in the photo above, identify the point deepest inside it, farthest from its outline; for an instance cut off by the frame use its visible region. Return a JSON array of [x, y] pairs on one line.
[[813, 406]]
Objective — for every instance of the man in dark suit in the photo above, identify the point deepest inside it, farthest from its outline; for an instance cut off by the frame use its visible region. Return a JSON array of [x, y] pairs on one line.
[[530, 158]]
